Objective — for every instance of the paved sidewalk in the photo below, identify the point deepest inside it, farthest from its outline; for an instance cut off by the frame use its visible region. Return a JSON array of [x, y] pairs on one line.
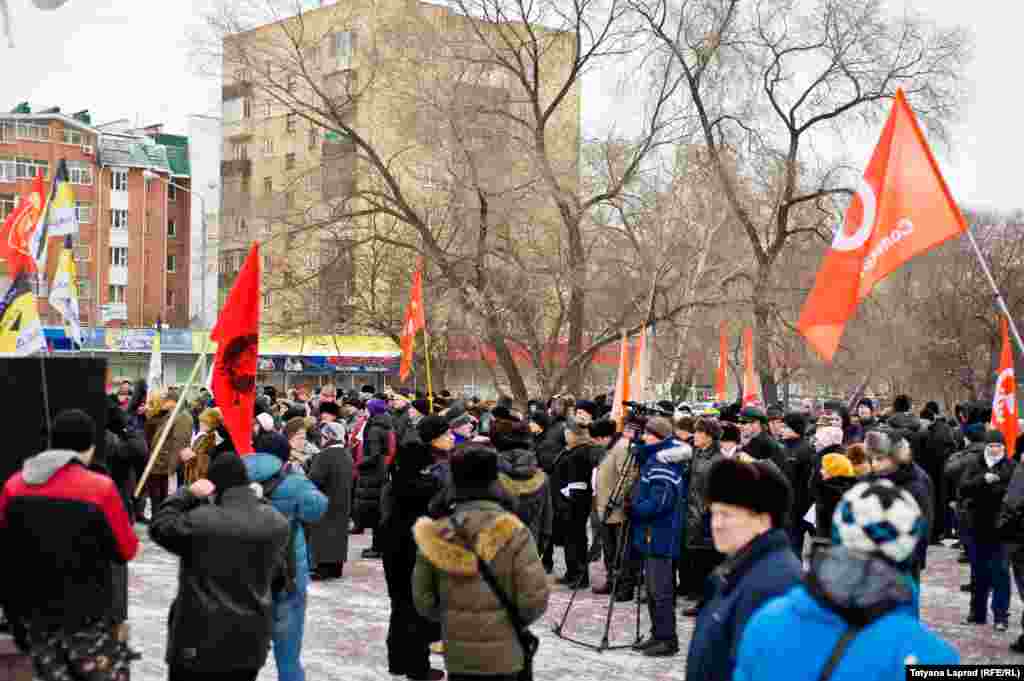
[[347, 624]]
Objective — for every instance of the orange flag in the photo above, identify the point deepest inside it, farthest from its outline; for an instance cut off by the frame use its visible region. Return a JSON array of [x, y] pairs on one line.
[[414, 321], [16, 232], [902, 209], [1004, 403], [751, 382], [722, 376], [622, 391]]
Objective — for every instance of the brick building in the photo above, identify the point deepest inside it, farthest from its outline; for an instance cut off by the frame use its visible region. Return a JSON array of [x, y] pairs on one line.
[[132, 251]]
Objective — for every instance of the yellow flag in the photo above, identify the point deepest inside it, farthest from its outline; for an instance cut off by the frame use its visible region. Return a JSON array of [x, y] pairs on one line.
[[21, 332]]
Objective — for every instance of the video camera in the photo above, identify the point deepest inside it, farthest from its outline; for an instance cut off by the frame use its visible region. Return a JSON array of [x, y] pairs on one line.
[[636, 418]]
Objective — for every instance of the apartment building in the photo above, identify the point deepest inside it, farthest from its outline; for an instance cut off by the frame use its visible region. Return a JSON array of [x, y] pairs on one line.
[[284, 178], [132, 251]]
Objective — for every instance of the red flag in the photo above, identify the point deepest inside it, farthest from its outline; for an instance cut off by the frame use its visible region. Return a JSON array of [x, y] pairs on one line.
[[622, 385], [751, 382], [902, 209], [1004, 402], [16, 232], [237, 336], [721, 377], [414, 321]]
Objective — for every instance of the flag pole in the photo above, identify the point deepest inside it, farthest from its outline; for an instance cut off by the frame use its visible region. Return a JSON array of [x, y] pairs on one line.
[[170, 422], [995, 289], [426, 357]]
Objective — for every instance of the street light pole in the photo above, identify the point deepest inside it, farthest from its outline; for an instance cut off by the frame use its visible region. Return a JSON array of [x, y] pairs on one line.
[[149, 175]]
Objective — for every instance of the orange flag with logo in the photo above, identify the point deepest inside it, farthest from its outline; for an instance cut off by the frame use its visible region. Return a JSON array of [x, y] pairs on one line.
[[751, 382], [902, 208], [722, 375], [414, 321], [1004, 402], [622, 384]]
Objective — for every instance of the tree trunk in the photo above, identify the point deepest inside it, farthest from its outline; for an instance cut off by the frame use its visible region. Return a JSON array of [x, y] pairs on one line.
[[762, 337], [577, 302], [507, 362]]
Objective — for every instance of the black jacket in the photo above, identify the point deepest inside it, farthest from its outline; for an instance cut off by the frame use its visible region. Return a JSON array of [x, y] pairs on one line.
[[1010, 523], [573, 470], [698, 515], [373, 469], [764, 446], [986, 498], [828, 493], [913, 478], [221, 620], [798, 466]]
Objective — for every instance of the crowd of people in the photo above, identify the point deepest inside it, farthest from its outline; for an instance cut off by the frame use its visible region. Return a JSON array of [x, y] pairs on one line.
[[797, 539]]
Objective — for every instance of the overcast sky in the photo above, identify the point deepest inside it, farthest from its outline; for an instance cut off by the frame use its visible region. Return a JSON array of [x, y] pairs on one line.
[[129, 59]]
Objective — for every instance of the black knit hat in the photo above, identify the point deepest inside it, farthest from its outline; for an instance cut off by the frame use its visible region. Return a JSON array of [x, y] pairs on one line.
[[474, 469], [330, 408], [730, 433], [431, 427], [602, 428], [227, 471], [758, 486], [74, 430]]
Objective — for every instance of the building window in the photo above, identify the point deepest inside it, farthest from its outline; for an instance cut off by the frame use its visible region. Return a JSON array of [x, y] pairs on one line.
[[243, 76], [119, 219], [80, 172], [268, 146], [119, 180], [83, 212], [75, 137], [8, 169], [82, 253], [27, 168], [172, 229], [119, 256], [268, 185], [241, 226], [290, 122], [34, 131], [172, 192], [6, 205], [170, 298], [314, 136], [341, 48], [289, 161], [116, 294], [232, 110], [246, 107], [240, 151], [268, 299], [172, 262]]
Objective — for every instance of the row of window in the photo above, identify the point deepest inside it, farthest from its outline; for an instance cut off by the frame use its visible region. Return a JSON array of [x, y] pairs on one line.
[[119, 258], [79, 172], [83, 209], [39, 132], [118, 295]]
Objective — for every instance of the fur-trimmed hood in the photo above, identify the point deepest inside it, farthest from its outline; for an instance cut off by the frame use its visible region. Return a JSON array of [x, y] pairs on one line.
[[490, 526], [520, 486]]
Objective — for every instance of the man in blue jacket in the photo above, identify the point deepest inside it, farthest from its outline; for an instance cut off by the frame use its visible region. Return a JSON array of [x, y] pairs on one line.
[[301, 502], [657, 511], [856, 606], [750, 503]]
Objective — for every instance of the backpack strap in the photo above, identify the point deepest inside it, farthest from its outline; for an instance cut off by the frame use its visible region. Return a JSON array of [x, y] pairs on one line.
[[838, 651]]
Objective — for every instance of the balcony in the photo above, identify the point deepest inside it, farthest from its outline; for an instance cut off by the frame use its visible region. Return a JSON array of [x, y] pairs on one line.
[[118, 275], [241, 168], [113, 312]]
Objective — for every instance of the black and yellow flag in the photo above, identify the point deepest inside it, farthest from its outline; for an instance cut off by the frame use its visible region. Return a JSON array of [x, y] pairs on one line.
[[21, 332]]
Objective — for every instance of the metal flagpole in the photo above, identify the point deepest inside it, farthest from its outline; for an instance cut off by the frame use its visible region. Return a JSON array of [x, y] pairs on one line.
[[995, 289], [426, 357]]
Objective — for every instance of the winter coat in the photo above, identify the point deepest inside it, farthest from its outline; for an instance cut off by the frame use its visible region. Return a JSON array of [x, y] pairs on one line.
[[118, 606], [958, 464], [296, 498], [764, 569], [571, 490], [827, 494], [402, 425], [816, 474], [912, 478], [550, 444], [611, 468], [331, 472], [698, 513], [230, 551], [448, 588], [658, 502], [915, 431], [124, 455], [765, 447], [793, 636], [178, 439], [986, 499], [1010, 523], [798, 466], [67, 526], [521, 477], [378, 441], [203, 447]]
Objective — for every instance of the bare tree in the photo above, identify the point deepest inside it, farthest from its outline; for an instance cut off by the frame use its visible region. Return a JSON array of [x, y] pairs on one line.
[[770, 79]]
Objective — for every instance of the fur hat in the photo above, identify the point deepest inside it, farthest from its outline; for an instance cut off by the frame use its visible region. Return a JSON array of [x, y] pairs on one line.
[[367, 390], [589, 407], [227, 472], [602, 428], [432, 427], [474, 469], [881, 519], [730, 433], [509, 435], [758, 486], [74, 430], [212, 417], [660, 426], [330, 408]]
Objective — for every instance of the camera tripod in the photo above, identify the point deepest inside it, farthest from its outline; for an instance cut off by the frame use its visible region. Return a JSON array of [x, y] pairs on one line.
[[619, 492]]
